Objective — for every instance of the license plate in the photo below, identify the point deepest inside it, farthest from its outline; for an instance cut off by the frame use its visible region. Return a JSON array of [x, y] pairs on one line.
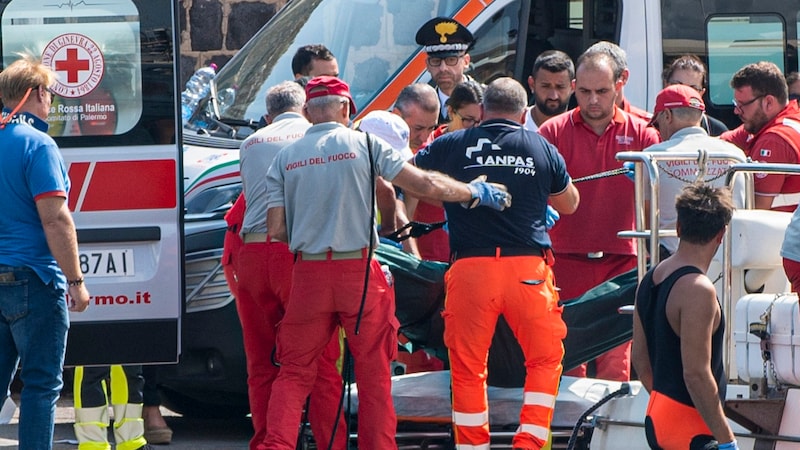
[[108, 263]]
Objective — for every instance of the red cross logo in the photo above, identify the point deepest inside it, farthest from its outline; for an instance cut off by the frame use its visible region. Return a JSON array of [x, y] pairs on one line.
[[79, 62], [72, 65]]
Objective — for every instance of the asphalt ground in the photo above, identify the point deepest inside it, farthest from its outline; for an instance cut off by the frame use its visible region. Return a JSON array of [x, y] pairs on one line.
[[188, 433]]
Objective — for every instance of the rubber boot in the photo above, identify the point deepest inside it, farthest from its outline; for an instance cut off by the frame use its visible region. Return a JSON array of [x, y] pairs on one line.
[[91, 428], [129, 426]]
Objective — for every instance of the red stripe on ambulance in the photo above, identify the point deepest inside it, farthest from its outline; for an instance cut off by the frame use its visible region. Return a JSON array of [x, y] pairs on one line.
[[126, 185], [77, 177]]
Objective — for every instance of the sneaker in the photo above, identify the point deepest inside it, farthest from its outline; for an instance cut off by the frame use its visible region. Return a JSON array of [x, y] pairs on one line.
[[158, 436]]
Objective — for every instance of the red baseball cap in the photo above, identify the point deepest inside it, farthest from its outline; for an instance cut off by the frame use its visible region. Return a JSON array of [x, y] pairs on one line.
[[677, 96], [327, 85]]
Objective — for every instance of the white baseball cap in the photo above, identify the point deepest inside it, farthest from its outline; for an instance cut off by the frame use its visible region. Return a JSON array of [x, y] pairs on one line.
[[389, 127]]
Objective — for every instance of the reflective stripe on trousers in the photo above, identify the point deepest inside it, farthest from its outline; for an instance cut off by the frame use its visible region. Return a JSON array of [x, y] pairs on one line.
[[479, 289]]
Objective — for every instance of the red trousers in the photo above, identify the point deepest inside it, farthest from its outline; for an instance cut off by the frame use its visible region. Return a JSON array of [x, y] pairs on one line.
[[576, 274], [478, 291], [325, 295], [792, 270], [671, 425], [265, 276]]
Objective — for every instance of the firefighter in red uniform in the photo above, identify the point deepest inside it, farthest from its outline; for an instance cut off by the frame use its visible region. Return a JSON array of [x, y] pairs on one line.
[[589, 138], [502, 264], [264, 276], [320, 199]]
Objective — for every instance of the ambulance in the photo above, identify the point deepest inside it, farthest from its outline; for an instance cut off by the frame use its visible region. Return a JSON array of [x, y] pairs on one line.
[[113, 116], [373, 41]]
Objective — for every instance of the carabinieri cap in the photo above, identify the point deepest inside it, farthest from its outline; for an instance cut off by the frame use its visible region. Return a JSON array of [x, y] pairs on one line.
[[443, 36]]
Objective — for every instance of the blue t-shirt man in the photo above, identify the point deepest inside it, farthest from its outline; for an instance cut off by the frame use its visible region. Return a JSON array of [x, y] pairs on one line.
[[32, 169], [530, 167]]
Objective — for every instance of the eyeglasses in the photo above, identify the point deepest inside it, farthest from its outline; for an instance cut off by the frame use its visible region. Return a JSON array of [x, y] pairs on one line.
[[655, 120], [740, 106], [50, 91], [693, 86], [450, 60], [468, 122]]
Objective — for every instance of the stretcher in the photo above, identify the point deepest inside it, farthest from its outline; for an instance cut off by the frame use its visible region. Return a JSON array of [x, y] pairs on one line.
[[422, 404]]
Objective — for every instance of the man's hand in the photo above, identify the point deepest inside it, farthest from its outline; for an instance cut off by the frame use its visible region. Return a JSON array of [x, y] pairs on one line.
[[78, 298], [551, 217], [714, 445], [493, 195], [631, 173]]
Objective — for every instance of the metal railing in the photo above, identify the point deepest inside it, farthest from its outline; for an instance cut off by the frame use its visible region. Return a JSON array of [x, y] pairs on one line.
[[649, 161]]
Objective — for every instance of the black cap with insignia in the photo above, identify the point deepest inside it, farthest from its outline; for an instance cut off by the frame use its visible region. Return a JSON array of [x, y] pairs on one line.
[[443, 36]]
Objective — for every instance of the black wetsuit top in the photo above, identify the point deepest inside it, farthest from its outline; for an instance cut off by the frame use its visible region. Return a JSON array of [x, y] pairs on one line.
[[664, 346]]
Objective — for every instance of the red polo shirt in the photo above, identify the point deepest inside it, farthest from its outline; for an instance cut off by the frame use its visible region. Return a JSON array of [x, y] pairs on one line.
[[638, 112], [777, 142], [607, 204]]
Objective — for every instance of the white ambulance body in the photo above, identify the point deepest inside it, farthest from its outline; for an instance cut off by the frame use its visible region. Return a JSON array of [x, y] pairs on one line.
[[114, 118]]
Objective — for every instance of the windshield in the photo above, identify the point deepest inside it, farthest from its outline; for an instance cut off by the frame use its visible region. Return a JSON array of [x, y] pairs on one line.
[[368, 50]]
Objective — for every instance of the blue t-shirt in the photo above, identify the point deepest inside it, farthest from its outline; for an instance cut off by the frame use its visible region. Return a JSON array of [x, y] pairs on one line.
[[506, 153], [32, 168]]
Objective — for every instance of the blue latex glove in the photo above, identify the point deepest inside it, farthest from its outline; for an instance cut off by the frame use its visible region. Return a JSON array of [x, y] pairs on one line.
[[631, 174], [728, 446], [492, 195], [551, 217]]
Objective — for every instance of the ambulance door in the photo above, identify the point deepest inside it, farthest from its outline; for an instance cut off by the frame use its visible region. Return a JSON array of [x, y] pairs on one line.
[[114, 118]]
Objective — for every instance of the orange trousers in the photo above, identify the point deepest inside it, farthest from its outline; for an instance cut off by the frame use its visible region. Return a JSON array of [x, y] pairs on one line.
[[479, 290]]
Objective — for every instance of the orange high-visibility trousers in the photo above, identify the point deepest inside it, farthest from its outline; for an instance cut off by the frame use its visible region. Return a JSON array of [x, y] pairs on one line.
[[521, 288]]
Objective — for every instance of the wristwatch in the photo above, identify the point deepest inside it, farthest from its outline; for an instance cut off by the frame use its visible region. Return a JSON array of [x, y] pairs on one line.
[[75, 282]]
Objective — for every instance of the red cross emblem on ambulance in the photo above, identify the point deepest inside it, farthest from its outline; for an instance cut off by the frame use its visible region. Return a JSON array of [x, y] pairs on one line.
[[78, 63]]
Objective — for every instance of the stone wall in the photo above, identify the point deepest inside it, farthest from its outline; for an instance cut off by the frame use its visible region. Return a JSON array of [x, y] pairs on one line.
[[213, 30]]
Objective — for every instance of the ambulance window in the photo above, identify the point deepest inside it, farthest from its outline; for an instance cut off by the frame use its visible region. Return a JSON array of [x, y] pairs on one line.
[[96, 55], [493, 55], [372, 40], [575, 14], [796, 55], [734, 41]]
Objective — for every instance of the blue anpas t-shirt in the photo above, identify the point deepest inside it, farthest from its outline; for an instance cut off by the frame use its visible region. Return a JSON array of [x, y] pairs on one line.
[[506, 153]]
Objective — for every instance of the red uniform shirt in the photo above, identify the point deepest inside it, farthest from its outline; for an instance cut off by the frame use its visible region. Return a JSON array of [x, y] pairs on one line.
[[638, 112], [607, 204], [434, 246], [777, 142]]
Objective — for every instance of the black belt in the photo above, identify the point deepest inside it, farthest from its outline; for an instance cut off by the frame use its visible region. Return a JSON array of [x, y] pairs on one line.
[[497, 251]]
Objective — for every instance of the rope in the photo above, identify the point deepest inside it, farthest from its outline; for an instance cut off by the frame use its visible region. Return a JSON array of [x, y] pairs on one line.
[[606, 174]]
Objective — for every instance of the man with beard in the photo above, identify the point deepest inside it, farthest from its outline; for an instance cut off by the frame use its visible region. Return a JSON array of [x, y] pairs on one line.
[[550, 83], [446, 42], [770, 131]]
